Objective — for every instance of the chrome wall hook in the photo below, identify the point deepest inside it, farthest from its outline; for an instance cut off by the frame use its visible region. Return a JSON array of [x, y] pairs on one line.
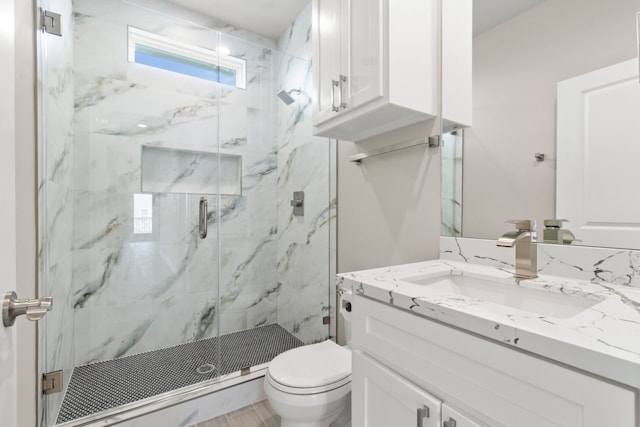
[[13, 307]]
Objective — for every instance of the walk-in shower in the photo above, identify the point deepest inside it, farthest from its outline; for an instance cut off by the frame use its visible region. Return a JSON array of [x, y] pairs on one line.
[[147, 113]]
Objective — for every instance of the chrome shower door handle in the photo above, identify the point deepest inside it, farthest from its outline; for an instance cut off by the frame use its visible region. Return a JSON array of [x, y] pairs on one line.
[[342, 104], [202, 222], [334, 84], [13, 307]]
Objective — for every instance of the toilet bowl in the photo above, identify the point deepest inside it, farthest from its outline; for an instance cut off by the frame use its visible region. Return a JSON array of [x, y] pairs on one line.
[[310, 386]]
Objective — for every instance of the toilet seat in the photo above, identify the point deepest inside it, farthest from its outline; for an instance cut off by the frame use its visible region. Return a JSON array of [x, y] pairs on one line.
[[311, 369], [307, 390]]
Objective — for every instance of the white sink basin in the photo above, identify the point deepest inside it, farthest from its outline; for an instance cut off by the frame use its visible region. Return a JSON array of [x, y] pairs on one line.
[[541, 302]]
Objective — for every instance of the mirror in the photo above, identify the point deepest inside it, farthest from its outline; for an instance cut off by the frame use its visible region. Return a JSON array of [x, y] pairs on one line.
[[508, 163]]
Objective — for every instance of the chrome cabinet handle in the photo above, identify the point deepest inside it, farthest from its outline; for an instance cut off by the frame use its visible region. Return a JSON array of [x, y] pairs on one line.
[[334, 84], [202, 224], [450, 423], [422, 413], [13, 307], [343, 79]]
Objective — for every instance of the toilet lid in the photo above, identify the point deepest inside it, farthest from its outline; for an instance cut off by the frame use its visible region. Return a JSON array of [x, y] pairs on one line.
[[313, 365]]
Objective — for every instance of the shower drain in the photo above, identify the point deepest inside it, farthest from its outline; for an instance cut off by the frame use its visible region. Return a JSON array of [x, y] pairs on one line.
[[206, 368]]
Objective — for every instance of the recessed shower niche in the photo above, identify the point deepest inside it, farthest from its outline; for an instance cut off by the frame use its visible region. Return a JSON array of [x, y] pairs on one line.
[[169, 170], [112, 128]]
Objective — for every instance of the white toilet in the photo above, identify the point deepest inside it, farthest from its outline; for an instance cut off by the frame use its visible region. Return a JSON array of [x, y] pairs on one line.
[[310, 386]]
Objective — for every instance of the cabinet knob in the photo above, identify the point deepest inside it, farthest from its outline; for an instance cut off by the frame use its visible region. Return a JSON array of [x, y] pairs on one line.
[[449, 423]]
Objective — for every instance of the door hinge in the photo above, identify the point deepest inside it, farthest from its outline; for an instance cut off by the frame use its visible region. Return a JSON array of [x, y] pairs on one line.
[[326, 320], [51, 22], [52, 382]]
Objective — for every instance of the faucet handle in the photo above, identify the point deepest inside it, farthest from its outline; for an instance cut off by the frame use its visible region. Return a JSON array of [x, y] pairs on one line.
[[523, 224], [554, 222]]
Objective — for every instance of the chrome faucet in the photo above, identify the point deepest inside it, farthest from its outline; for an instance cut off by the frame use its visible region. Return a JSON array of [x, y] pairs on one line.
[[526, 252]]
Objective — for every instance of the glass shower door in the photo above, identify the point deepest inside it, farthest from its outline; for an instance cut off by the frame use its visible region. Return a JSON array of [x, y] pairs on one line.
[[128, 153]]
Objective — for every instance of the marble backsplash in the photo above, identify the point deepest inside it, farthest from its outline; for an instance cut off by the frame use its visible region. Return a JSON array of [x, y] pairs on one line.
[[118, 292], [593, 264]]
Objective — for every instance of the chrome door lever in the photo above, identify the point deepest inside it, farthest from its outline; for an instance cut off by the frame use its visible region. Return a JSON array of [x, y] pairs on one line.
[[13, 307]]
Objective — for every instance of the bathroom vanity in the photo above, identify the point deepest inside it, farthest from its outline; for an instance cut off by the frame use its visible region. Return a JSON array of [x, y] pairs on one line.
[[443, 343]]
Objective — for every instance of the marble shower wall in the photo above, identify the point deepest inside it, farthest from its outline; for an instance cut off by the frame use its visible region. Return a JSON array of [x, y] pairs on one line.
[[137, 292], [306, 163], [593, 264], [121, 293], [55, 191]]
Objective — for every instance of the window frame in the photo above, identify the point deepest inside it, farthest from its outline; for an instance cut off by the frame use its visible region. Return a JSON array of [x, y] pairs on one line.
[[137, 36]]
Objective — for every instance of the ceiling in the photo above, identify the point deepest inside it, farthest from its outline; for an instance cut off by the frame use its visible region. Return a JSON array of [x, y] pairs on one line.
[[266, 17], [272, 17]]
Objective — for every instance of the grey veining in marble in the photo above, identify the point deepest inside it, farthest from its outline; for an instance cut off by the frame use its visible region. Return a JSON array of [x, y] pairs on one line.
[[601, 337], [119, 292]]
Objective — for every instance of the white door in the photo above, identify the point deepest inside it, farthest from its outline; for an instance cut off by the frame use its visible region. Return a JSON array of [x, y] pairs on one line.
[[453, 418], [382, 398], [8, 387], [598, 152]]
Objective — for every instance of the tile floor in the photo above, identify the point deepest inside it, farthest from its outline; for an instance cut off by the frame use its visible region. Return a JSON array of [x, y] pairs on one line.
[[257, 415]]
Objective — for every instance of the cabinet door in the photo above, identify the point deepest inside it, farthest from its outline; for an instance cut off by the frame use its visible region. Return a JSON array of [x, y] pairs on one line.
[[326, 57], [453, 418], [381, 398], [363, 57]]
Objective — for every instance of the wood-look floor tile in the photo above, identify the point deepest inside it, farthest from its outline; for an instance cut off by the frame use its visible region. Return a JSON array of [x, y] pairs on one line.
[[245, 417], [266, 413], [220, 421]]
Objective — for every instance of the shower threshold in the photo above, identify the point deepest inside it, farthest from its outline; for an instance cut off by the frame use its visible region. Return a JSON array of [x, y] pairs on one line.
[[106, 385]]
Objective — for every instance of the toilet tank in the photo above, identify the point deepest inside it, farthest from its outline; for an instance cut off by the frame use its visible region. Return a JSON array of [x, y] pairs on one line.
[[344, 317]]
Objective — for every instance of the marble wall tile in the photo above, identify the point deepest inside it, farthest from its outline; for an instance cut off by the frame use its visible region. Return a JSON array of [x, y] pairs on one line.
[[55, 197], [304, 163], [127, 293], [597, 265]]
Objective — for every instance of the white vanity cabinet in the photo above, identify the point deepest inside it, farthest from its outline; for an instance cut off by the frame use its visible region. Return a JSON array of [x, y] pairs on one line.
[[375, 65], [480, 382], [382, 398]]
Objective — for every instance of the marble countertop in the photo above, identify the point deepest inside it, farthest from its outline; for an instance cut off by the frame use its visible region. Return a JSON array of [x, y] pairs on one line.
[[603, 339]]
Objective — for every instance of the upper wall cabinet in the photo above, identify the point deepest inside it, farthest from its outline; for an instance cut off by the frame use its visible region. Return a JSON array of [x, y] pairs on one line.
[[375, 65]]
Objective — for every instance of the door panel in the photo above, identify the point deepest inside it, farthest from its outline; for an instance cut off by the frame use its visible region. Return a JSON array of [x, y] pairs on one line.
[[383, 398], [326, 51], [597, 155], [364, 56], [8, 356]]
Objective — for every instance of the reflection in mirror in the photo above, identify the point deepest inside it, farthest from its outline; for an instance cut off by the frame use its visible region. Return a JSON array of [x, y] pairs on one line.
[[519, 58], [452, 183]]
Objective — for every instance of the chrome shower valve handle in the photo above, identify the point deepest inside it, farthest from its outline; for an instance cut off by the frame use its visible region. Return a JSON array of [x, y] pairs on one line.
[[34, 309]]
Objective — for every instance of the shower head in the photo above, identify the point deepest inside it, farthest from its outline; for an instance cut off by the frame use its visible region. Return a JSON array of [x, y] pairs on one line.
[[285, 96]]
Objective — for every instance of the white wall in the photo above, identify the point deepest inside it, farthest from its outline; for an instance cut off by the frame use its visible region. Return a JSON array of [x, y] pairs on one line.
[[516, 67], [389, 206]]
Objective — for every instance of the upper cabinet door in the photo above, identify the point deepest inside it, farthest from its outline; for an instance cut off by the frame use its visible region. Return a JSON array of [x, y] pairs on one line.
[[362, 70], [380, 70], [326, 27]]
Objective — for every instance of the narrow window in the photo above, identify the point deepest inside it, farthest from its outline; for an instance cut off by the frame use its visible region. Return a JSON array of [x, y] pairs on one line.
[[161, 52], [142, 213]]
